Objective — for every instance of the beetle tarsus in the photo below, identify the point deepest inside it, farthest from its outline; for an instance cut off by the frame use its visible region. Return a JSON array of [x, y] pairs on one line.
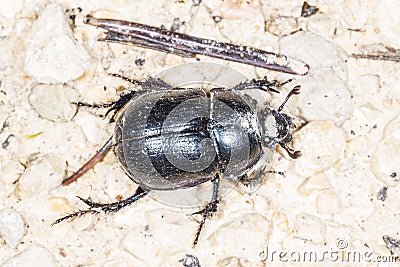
[[115, 106], [71, 216], [276, 172], [207, 212], [105, 208], [253, 180], [94, 105], [133, 81], [263, 84]]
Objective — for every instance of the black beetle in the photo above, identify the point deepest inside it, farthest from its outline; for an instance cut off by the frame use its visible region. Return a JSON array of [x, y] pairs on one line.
[[169, 138]]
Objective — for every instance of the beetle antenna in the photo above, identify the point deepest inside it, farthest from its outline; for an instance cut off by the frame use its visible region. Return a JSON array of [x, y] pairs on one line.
[[294, 91], [293, 154]]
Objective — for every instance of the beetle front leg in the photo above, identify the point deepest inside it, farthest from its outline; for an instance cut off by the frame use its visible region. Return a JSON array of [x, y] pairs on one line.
[[209, 209], [262, 84]]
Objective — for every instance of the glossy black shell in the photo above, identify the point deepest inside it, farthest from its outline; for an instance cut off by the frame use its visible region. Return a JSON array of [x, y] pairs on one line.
[[179, 138]]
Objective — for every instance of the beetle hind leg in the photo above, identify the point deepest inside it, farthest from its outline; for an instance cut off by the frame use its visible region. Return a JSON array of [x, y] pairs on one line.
[[104, 207]]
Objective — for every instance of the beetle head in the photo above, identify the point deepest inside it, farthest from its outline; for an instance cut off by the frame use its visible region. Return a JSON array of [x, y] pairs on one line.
[[277, 129]]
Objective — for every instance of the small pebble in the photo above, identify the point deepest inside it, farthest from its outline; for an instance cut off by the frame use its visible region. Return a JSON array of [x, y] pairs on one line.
[[328, 202], [392, 244], [251, 232], [308, 10], [140, 61], [309, 227], [325, 94], [165, 227], [315, 183], [9, 9], [60, 204], [322, 143], [176, 25], [281, 26], [196, 2], [322, 24], [382, 194], [53, 102], [386, 22], [11, 227], [190, 261], [41, 175], [33, 256], [53, 55], [217, 19], [383, 162], [10, 172]]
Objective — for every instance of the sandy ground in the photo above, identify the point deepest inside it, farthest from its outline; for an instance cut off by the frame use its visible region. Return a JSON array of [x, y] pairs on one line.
[[338, 204]]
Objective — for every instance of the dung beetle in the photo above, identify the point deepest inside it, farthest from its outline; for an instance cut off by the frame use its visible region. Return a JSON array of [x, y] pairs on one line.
[[169, 138]]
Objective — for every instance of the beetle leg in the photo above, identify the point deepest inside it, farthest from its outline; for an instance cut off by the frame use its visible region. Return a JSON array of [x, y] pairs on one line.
[[152, 83], [251, 181], [106, 208], [120, 103], [283, 83], [148, 84], [93, 161], [262, 84], [208, 210], [294, 91], [255, 179], [115, 106], [133, 81]]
